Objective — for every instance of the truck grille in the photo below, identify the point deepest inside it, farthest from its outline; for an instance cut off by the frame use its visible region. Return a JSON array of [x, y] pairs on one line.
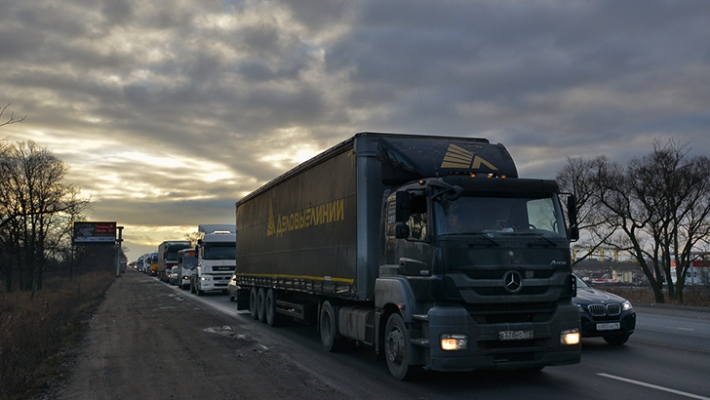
[[224, 268], [512, 313]]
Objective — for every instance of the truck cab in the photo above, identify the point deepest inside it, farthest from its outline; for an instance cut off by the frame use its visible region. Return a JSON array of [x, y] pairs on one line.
[[453, 243], [216, 260], [186, 263]]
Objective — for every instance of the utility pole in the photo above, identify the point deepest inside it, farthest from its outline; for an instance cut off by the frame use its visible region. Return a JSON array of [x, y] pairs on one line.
[[118, 250]]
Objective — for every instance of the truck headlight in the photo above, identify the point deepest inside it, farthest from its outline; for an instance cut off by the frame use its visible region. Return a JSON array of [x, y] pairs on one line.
[[570, 337], [453, 342]]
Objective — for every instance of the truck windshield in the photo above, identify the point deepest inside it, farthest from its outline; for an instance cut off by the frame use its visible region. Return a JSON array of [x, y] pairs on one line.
[[227, 251], [189, 262], [538, 215]]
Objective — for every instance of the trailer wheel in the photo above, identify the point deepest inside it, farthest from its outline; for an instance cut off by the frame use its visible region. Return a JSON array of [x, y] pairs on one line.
[[260, 300], [328, 324], [397, 350], [272, 318], [253, 304]]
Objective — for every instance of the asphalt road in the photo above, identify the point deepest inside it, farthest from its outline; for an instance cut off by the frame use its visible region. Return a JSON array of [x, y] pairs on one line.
[[151, 340]]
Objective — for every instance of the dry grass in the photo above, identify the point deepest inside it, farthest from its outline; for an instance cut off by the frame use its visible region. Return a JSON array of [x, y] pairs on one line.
[[698, 296], [34, 331]]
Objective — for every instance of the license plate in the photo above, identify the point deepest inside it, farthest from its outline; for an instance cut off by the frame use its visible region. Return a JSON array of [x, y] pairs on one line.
[[515, 335], [609, 327]]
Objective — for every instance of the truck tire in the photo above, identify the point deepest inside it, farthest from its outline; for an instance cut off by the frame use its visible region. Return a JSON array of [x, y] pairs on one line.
[[272, 318], [192, 287], [260, 300], [397, 348], [328, 325], [253, 306]]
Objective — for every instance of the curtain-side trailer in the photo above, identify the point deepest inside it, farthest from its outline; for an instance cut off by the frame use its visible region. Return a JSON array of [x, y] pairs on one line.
[[430, 249]]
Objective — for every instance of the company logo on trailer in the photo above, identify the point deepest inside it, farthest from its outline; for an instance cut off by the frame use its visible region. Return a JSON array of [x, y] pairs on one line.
[[458, 157], [321, 214]]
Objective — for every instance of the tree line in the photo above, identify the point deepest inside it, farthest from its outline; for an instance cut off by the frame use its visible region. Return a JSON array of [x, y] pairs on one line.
[[37, 211], [654, 207]]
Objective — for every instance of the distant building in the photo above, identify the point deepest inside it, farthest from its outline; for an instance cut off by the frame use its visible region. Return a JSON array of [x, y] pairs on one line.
[[699, 271]]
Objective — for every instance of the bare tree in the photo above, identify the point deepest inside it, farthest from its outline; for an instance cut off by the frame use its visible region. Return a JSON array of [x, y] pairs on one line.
[[11, 119], [581, 178], [656, 207], [193, 237], [37, 210]]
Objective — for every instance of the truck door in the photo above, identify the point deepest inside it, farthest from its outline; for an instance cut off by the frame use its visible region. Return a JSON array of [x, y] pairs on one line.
[[411, 253]]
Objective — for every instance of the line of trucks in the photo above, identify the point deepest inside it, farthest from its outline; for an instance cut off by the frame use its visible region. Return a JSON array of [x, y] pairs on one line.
[[429, 249], [204, 267]]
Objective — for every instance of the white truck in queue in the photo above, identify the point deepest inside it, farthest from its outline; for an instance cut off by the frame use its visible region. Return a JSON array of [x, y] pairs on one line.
[[216, 258]]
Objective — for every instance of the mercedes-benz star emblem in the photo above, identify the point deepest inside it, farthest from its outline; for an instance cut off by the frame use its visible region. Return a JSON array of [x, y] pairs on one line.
[[513, 281]]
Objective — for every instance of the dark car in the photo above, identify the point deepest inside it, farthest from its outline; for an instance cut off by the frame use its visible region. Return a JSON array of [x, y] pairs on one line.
[[604, 314]]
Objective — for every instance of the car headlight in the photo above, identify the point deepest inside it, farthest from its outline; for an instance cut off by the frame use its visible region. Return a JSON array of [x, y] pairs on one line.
[[627, 306]]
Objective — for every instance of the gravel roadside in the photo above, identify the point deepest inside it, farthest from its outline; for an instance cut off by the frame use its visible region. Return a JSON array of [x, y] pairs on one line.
[[146, 342]]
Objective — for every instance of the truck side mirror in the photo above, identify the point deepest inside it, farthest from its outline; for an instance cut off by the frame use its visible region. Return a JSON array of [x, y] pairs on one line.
[[401, 231], [403, 206], [572, 215]]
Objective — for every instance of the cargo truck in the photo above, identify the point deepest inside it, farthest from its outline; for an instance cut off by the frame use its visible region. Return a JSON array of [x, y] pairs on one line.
[[216, 258], [187, 261], [150, 264], [168, 255], [430, 249]]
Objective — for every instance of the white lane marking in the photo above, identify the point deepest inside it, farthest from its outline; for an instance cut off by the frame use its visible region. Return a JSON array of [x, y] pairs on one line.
[[649, 385], [686, 329]]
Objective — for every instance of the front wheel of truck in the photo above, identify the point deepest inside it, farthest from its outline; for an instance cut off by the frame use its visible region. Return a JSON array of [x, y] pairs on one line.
[[397, 349]]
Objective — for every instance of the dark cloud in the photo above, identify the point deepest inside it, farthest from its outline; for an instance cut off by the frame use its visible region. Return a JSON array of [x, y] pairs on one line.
[[176, 109]]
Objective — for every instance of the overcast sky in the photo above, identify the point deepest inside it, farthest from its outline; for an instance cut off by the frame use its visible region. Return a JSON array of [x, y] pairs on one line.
[[167, 112]]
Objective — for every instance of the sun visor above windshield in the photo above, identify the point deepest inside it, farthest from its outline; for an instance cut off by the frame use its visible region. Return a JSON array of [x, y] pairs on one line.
[[406, 158]]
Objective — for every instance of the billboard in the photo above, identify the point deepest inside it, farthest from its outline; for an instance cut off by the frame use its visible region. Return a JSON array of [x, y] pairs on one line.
[[94, 232]]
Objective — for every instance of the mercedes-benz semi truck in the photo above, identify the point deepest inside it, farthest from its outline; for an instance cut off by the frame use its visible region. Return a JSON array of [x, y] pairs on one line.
[[429, 249]]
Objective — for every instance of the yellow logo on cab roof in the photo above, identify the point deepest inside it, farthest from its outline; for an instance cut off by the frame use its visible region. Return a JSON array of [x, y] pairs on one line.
[[458, 157]]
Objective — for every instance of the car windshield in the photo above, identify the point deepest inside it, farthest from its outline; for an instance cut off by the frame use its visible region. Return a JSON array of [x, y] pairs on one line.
[[580, 282], [466, 215]]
